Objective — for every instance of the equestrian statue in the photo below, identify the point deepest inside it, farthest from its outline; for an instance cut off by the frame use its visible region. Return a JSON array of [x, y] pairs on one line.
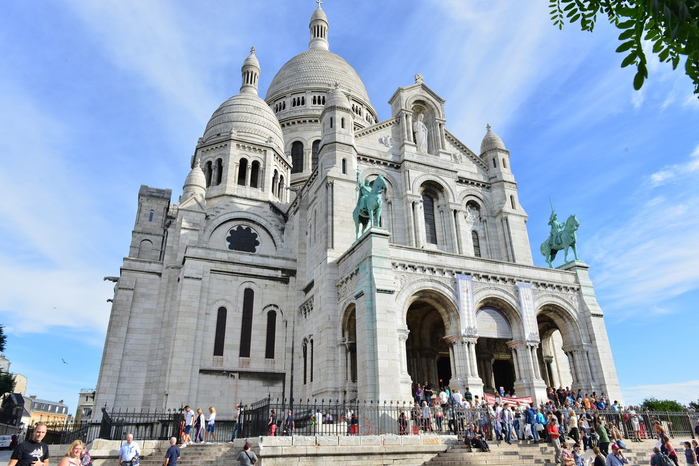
[[369, 202], [561, 236]]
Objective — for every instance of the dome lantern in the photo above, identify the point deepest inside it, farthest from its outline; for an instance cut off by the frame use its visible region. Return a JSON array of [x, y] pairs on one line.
[[251, 74], [319, 29], [491, 141]]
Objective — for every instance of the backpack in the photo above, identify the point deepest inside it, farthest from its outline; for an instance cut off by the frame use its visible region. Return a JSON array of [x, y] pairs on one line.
[[664, 460]]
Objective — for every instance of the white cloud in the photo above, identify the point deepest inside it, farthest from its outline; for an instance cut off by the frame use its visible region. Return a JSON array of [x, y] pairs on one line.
[[638, 97], [673, 172], [682, 392]]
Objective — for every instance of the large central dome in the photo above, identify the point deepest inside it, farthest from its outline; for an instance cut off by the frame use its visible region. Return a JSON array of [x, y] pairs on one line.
[[316, 69]]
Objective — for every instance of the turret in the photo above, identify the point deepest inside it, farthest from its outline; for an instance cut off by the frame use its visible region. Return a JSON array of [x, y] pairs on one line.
[[319, 30], [336, 119], [251, 74]]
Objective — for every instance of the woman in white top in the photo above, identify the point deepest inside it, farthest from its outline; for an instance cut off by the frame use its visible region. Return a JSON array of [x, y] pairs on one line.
[[210, 424]]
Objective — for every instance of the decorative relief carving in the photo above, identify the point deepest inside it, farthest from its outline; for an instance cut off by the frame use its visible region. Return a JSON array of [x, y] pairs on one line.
[[473, 215], [347, 285], [386, 141], [456, 157]]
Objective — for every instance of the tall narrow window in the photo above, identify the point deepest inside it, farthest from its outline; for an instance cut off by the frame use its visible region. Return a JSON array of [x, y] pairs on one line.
[[208, 169], [150, 216], [311, 360], [246, 325], [220, 335], [314, 156], [305, 360], [280, 194], [512, 202], [331, 122], [297, 157], [271, 332], [275, 180], [430, 225], [242, 171], [342, 121], [344, 166], [219, 171], [254, 174], [495, 164], [476, 244]]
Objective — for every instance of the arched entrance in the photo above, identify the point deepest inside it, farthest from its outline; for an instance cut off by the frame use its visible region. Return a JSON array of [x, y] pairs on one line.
[[426, 351], [349, 345], [556, 369], [493, 355]]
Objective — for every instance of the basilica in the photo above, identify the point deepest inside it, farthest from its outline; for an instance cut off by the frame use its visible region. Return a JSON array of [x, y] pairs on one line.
[[257, 282]]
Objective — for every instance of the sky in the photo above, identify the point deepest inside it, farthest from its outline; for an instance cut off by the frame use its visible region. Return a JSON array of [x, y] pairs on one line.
[[98, 98]]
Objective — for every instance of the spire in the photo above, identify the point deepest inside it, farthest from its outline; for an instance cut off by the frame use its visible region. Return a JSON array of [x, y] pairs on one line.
[[251, 74], [319, 29]]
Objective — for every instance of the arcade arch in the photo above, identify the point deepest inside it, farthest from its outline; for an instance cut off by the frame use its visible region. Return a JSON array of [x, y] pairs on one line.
[[558, 331]]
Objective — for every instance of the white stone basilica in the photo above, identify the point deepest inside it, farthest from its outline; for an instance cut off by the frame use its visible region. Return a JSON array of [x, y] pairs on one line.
[[254, 283]]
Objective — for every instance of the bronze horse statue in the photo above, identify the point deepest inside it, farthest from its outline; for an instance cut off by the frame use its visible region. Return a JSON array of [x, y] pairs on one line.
[[562, 240], [368, 210]]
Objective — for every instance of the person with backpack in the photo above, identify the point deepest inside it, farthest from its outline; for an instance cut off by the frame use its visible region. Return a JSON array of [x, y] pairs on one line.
[[530, 418], [659, 458]]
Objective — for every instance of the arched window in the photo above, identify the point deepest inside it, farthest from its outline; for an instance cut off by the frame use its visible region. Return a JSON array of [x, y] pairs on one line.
[[512, 202], [331, 122], [275, 180], [344, 166], [430, 224], [254, 174], [504, 163], [242, 171], [220, 334], [495, 164], [208, 169], [150, 216], [280, 194], [219, 171], [144, 249], [343, 123], [297, 157], [271, 332], [476, 244], [314, 154], [246, 324]]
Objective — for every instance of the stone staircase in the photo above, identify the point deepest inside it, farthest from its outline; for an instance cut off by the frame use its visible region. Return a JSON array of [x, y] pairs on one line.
[[214, 454], [525, 453]]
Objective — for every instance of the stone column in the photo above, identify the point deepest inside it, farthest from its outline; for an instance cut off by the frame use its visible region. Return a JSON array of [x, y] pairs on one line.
[[530, 382], [248, 175], [465, 373], [409, 127], [458, 227], [420, 222]]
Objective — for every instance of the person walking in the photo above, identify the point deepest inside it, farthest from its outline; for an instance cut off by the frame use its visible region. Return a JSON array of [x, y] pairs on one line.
[[689, 455], [199, 425], [73, 455], [236, 423], [289, 425], [210, 425], [554, 435], [172, 454], [129, 453], [33, 452], [246, 457], [188, 423]]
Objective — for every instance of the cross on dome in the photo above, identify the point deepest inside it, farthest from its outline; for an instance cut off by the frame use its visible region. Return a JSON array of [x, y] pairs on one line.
[[487, 127], [319, 2], [252, 49]]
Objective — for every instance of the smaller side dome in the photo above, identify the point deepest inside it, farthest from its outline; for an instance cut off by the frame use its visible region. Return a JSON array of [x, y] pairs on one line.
[[491, 141], [195, 183], [337, 98]]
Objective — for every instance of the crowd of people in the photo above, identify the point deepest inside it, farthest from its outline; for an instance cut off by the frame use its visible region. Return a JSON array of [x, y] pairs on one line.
[[573, 422]]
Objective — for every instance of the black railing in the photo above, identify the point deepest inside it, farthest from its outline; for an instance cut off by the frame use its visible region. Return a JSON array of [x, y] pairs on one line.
[[327, 417]]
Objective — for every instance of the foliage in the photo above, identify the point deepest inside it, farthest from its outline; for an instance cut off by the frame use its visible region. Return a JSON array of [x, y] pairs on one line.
[[671, 26], [3, 338], [669, 406], [694, 405], [7, 382]]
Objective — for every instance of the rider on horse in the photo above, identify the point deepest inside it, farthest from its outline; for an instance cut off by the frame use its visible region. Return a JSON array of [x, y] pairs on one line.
[[364, 190], [556, 227]]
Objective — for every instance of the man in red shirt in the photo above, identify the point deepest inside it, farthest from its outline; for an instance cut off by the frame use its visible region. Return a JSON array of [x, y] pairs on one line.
[[554, 435]]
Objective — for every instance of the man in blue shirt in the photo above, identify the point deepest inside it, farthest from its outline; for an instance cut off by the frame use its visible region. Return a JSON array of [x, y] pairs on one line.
[[129, 452], [172, 454]]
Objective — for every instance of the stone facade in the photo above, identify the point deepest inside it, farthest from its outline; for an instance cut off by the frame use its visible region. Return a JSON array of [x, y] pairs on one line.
[[255, 283]]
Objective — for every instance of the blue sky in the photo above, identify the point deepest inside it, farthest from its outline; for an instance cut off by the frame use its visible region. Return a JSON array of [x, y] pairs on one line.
[[98, 98]]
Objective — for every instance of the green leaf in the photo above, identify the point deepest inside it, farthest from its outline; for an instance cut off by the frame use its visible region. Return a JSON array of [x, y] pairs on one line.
[[575, 18], [625, 46], [664, 54], [638, 80], [630, 58], [626, 24], [628, 34]]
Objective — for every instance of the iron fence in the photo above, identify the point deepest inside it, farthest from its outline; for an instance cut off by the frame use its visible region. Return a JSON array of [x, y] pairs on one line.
[[334, 419]]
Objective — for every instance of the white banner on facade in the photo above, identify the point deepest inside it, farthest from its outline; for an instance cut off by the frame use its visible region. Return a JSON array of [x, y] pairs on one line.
[[528, 307], [467, 306]]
